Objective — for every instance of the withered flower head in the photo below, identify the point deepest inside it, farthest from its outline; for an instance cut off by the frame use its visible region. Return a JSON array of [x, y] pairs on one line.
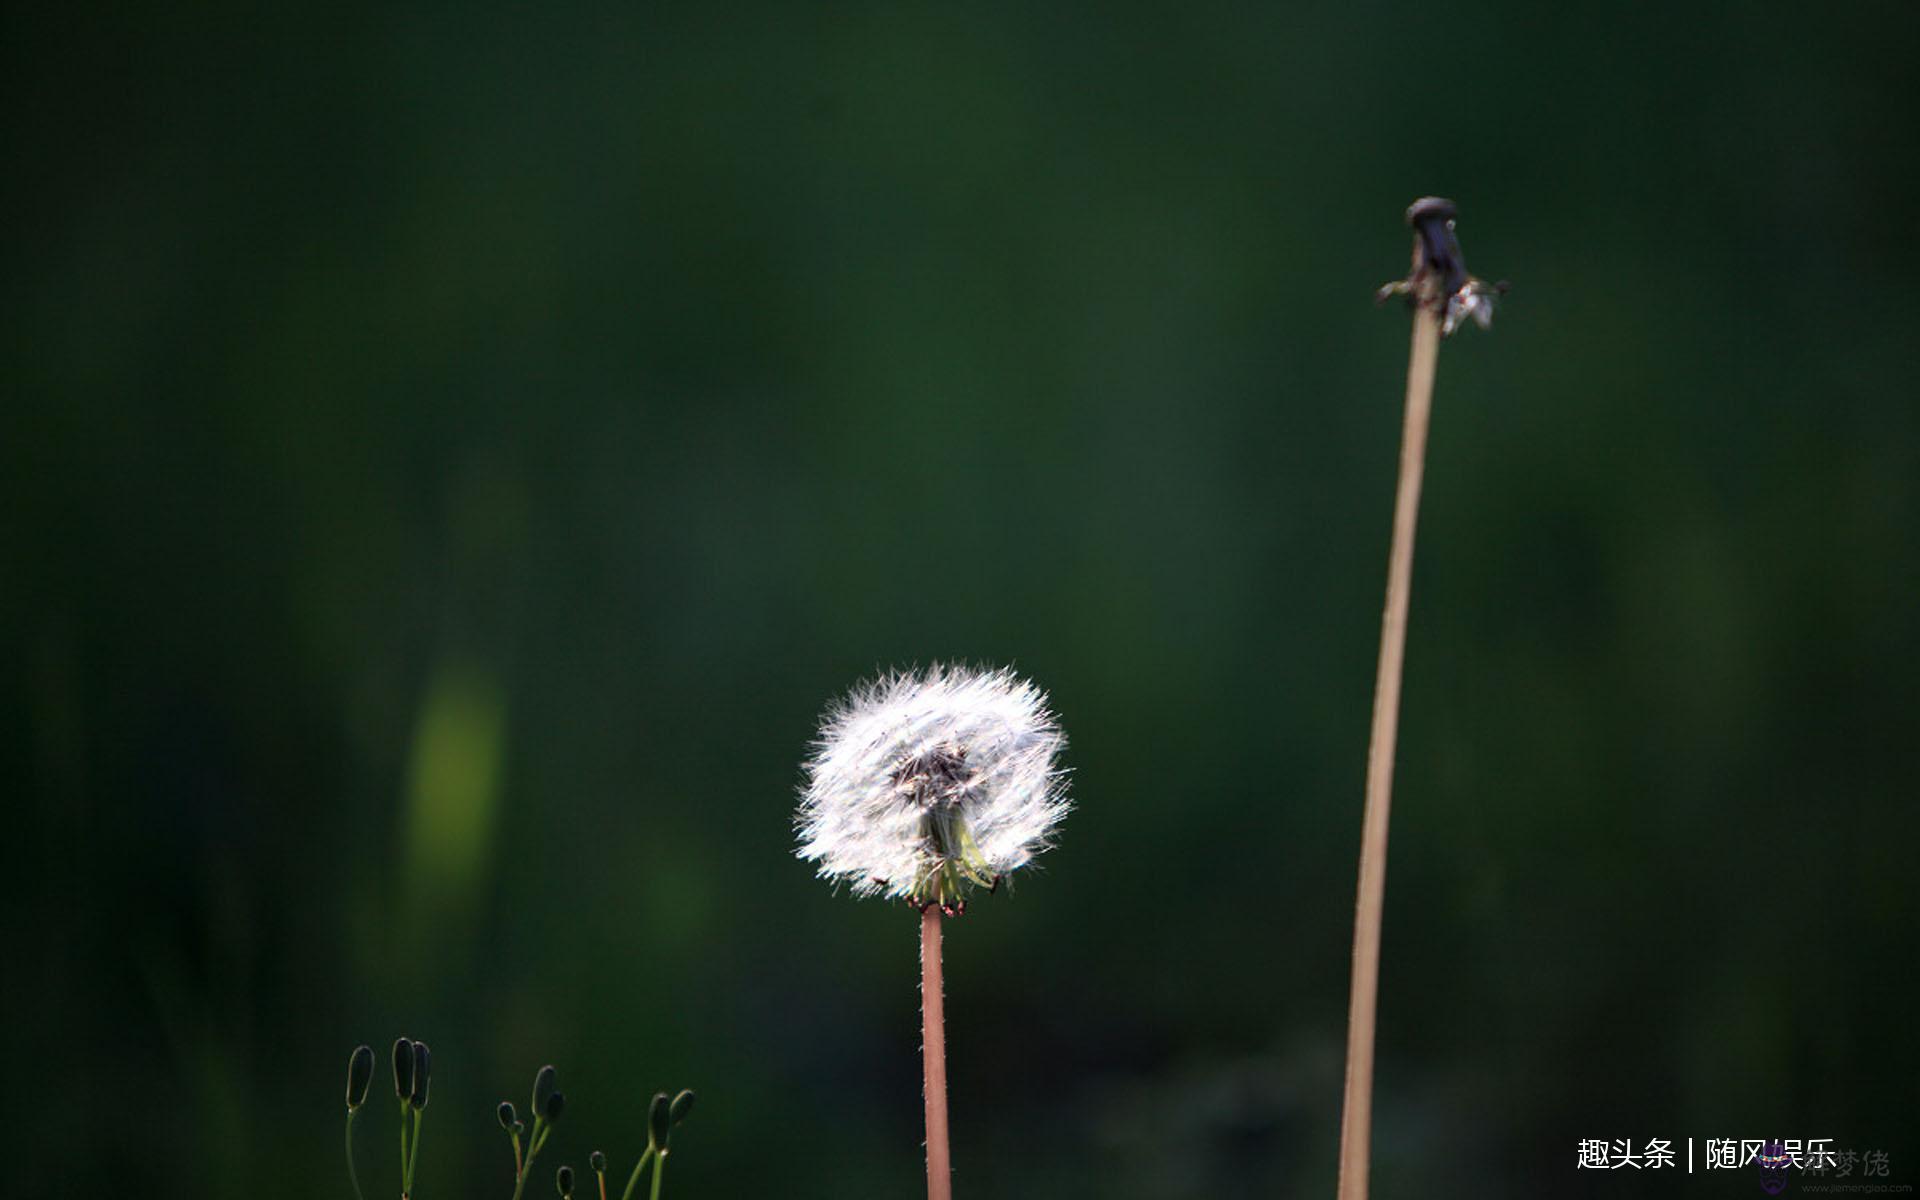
[[1439, 279]]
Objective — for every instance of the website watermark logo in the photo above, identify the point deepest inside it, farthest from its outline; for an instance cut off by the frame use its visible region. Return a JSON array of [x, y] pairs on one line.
[[1774, 1162], [1817, 1163]]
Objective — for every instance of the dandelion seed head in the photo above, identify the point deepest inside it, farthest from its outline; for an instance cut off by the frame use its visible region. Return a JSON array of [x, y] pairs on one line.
[[921, 784]]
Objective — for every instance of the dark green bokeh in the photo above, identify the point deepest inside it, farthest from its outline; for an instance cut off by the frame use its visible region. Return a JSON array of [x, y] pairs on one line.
[[452, 453]]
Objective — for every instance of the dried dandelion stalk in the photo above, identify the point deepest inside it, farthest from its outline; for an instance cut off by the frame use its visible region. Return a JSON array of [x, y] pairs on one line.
[[1442, 295]]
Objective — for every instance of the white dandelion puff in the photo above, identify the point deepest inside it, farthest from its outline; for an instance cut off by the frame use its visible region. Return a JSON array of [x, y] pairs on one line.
[[921, 784]]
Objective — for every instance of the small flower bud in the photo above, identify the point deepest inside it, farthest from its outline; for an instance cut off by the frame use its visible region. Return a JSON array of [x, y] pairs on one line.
[[508, 1118], [519, 1127], [682, 1105], [555, 1103], [563, 1183], [359, 1076], [543, 1083], [598, 1162], [659, 1121], [403, 1069], [422, 1075]]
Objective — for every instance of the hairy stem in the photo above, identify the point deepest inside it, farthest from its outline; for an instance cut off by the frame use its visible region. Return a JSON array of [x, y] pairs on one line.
[[933, 1030], [1356, 1123]]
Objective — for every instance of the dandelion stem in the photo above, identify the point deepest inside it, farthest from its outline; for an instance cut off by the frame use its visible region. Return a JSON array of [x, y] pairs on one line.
[[1356, 1126], [404, 1157], [659, 1169], [526, 1165], [353, 1174], [933, 1023], [635, 1177], [413, 1149]]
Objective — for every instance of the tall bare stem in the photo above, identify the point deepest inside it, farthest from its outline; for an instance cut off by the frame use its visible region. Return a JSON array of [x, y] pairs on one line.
[[1356, 1125], [933, 1022]]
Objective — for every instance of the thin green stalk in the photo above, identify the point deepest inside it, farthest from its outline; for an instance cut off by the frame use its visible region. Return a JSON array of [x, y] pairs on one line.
[[352, 1174], [405, 1157], [637, 1168], [413, 1156], [535, 1140], [659, 1170]]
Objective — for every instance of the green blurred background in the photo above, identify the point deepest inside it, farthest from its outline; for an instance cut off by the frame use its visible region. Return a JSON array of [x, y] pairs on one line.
[[454, 452]]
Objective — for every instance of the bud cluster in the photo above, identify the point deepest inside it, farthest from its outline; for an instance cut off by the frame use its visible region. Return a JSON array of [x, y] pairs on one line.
[[412, 1079]]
